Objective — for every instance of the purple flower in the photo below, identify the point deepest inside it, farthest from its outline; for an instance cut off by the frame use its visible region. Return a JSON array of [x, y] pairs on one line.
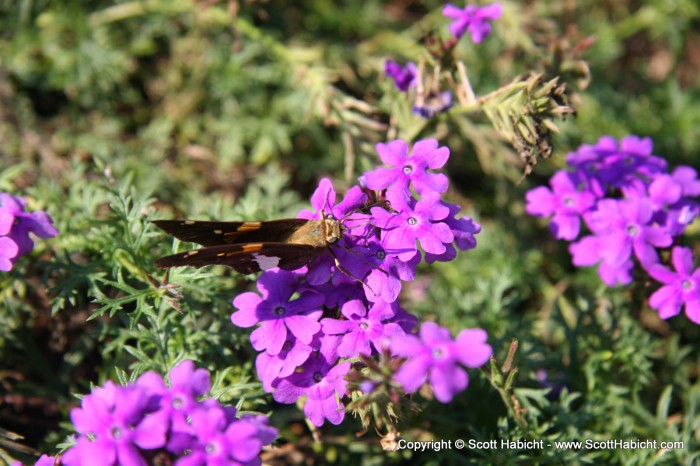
[[322, 382], [367, 387], [411, 169], [338, 295], [671, 210], [679, 216], [566, 202], [608, 164], [44, 460], [433, 356], [683, 212], [624, 226], [463, 229], [384, 279], [354, 306], [323, 202], [265, 433], [415, 220], [473, 18], [277, 313], [8, 252], [220, 439], [587, 252], [407, 321], [359, 332], [404, 76], [663, 191], [293, 354], [115, 426], [15, 226], [433, 104], [186, 385], [555, 383], [687, 178], [681, 288]]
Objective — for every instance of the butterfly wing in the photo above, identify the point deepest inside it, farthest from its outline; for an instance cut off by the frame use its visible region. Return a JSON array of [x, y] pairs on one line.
[[247, 257], [220, 233]]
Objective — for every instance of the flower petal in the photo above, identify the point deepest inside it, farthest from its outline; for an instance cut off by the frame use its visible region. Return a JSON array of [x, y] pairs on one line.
[[666, 300], [682, 259], [393, 153]]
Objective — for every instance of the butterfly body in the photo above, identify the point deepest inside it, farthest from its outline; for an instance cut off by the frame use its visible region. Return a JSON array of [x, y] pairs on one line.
[[250, 247]]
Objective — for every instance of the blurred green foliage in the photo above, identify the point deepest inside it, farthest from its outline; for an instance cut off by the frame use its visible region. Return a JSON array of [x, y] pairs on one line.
[[116, 112]]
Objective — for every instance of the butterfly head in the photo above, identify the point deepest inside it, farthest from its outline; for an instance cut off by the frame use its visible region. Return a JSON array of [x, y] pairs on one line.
[[333, 230]]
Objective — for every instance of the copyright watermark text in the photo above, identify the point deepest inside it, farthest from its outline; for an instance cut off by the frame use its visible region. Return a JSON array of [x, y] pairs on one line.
[[504, 444]]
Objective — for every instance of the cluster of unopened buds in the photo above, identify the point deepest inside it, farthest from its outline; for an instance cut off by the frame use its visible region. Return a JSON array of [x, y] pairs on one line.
[[635, 212], [317, 322]]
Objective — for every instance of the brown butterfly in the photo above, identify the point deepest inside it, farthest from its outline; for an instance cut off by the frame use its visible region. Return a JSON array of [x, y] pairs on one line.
[[250, 247]]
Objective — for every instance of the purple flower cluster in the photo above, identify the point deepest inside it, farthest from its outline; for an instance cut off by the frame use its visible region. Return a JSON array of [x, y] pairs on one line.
[[633, 207], [312, 322], [149, 421], [473, 19], [15, 226]]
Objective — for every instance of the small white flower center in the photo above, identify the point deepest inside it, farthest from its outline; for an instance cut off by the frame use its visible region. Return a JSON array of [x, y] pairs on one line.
[[177, 403]]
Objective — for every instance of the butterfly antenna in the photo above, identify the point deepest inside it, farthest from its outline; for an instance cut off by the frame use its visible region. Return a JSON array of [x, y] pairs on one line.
[[325, 203], [359, 225], [345, 217]]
